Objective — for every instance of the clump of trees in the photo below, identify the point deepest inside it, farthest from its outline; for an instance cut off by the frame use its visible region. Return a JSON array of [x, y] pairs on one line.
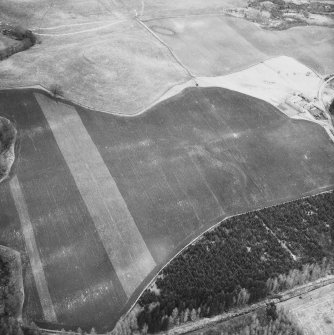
[[295, 277], [25, 37], [129, 325], [56, 90], [7, 134], [10, 326], [331, 108], [4, 281], [7, 140], [242, 261], [10, 294]]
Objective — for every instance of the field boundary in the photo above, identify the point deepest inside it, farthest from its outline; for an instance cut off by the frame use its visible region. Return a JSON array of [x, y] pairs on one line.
[[156, 101], [212, 228]]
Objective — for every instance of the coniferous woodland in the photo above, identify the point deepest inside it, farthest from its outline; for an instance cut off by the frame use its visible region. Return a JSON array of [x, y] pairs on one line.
[[243, 260]]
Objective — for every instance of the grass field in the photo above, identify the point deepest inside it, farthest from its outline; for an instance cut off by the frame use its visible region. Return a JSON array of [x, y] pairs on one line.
[[314, 311], [166, 176], [113, 68], [106, 60], [212, 46]]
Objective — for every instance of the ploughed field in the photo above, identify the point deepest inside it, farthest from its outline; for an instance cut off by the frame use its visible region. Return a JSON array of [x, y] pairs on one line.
[[99, 203]]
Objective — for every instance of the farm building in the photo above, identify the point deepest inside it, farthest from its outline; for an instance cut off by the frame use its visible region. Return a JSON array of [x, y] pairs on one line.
[[303, 105]]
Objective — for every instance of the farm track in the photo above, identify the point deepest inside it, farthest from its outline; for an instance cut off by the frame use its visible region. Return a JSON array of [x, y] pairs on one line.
[[168, 48], [80, 31], [178, 169]]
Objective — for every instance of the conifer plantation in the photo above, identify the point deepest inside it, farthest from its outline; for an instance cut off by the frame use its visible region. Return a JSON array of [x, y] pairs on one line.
[[245, 259]]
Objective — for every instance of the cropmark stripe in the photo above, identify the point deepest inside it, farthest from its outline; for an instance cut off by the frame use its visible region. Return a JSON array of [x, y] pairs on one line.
[[32, 250], [118, 232]]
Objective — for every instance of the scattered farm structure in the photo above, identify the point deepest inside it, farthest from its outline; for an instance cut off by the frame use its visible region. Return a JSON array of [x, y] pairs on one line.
[[304, 105]]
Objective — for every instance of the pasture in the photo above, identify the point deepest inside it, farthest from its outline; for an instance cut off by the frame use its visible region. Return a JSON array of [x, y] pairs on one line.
[[107, 61], [110, 65], [214, 46], [165, 176], [313, 312]]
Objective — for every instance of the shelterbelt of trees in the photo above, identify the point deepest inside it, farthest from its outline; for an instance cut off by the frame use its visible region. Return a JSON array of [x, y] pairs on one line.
[[243, 260]]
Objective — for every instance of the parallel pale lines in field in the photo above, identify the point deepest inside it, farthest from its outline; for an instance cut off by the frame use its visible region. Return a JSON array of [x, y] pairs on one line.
[[220, 208], [118, 232], [32, 250]]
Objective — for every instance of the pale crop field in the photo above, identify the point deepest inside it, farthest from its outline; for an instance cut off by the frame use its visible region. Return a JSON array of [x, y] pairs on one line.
[[104, 59], [119, 68], [273, 80], [314, 311], [212, 46]]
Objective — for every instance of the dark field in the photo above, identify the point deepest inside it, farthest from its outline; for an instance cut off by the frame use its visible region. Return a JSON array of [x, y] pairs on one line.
[[181, 167], [204, 155], [82, 283]]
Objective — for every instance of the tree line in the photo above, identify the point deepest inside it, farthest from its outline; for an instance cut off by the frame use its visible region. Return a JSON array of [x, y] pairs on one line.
[[25, 37], [278, 323]]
